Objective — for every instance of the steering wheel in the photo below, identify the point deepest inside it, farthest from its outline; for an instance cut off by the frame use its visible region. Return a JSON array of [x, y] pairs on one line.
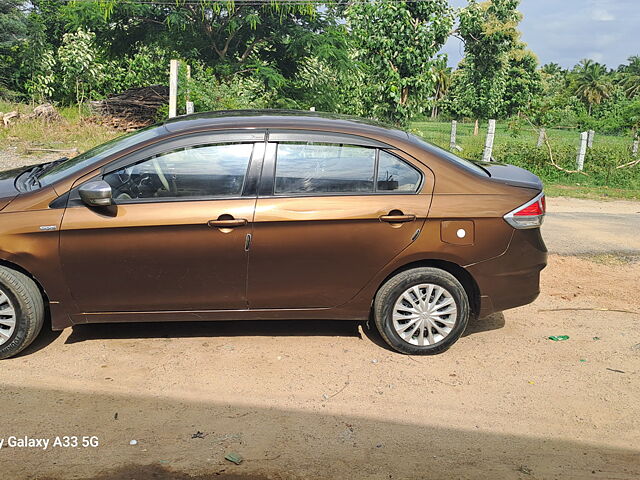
[[124, 175]]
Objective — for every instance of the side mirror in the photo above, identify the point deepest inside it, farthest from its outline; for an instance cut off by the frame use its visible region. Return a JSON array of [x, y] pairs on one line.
[[96, 194]]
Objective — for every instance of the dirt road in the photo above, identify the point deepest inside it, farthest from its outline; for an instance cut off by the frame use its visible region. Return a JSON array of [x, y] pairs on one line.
[[324, 400], [575, 226]]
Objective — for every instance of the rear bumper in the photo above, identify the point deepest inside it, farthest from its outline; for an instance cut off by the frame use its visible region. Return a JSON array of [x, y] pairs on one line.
[[512, 279]]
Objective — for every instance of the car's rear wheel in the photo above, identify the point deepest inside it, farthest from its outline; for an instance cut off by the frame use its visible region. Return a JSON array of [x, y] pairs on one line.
[[422, 311], [21, 312]]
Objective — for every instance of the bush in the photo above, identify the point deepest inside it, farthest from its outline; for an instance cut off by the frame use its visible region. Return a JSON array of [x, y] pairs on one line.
[[78, 70], [207, 92], [148, 66]]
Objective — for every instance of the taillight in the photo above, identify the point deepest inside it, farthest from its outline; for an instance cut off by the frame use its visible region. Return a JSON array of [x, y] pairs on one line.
[[529, 215]]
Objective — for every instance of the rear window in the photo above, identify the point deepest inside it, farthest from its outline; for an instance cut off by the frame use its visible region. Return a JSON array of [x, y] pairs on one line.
[[440, 152], [324, 168], [396, 175]]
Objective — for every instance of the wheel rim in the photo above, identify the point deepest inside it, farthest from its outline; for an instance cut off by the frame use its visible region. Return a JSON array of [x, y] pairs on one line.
[[7, 318], [425, 314]]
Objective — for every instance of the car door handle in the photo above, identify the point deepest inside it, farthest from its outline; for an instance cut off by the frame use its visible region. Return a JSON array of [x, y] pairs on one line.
[[397, 218], [228, 223]]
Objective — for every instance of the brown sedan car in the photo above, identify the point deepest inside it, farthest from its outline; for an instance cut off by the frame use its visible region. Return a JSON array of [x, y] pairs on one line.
[[268, 215]]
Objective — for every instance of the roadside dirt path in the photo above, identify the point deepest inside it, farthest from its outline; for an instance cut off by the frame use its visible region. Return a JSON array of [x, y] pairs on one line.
[[576, 226], [324, 400]]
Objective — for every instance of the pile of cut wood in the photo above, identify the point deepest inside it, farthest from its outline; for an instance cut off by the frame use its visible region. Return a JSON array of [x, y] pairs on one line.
[[46, 112], [132, 109]]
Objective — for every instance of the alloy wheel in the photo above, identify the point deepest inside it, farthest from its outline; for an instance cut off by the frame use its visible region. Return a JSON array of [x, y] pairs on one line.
[[425, 314]]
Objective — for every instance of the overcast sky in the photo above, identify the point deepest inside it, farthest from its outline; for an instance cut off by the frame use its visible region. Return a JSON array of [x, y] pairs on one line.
[[566, 31]]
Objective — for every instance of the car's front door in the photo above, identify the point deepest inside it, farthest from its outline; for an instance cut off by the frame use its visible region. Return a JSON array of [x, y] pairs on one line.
[[175, 238], [329, 216]]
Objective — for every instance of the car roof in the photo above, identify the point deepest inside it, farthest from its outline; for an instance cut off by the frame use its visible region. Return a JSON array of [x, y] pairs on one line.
[[283, 119]]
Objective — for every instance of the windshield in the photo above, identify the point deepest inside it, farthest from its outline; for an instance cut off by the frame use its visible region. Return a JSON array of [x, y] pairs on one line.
[[469, 165], [76, 164]]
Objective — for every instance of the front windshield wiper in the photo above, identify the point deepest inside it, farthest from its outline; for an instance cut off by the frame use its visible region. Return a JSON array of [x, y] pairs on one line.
[[31, 177]]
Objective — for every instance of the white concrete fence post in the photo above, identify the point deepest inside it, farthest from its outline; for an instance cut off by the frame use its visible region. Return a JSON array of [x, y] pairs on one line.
[[634, 150], [454, 132], [173, 88], [188, 103], [541, 136], [592, 134], [488, 147], [584, 137]]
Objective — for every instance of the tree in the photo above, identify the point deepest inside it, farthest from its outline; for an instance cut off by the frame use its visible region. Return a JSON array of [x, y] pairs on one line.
[[523, 81], [13, 31], [226, 35], [552, 69], [77, 59], [556, 101], [489, 31], [591, 83], [442, 76], [13, 23], [631, 77], [398, 42], [271, 42]]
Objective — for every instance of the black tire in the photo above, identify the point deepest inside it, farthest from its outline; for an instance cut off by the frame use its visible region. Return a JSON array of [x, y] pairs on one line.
[[28, 305], [390, 292]]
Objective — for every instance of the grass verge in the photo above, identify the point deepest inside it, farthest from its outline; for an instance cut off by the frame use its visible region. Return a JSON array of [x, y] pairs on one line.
[[74, 131], [591, 192]]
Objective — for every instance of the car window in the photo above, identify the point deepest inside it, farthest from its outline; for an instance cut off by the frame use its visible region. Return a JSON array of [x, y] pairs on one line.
[[324, 168], [202, 171], [396, 175]]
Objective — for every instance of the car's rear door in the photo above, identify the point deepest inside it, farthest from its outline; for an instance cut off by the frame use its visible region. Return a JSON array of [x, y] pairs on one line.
[[332, 211], [175, 238]]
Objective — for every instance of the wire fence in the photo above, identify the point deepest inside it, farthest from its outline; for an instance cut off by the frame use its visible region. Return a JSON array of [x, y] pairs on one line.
[[470, 140]]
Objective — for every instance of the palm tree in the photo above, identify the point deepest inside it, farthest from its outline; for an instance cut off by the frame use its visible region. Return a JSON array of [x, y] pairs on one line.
[[591, 83], [442, 76], [552, 69], [631, 77]]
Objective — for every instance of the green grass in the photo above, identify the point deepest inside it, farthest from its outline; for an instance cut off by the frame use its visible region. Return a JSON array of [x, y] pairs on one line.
[[74, 131], [591, 192]]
